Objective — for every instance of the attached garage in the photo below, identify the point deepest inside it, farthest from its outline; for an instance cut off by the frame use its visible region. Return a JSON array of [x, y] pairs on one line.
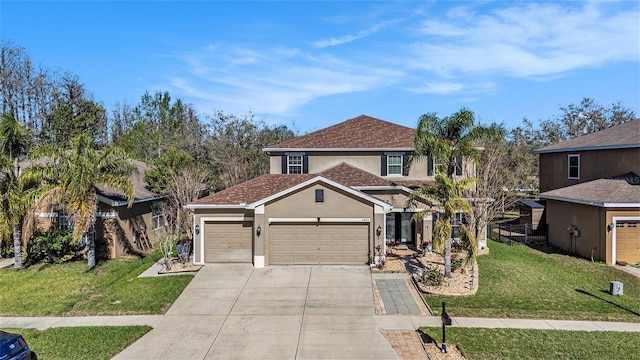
[[318, 243], [228, 241], [628, 241]]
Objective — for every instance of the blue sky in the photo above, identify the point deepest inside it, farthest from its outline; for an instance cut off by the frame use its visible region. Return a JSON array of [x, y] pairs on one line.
[[312, 64]]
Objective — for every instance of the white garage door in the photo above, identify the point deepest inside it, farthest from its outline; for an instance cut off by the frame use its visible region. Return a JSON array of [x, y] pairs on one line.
[[628, 241], [318, 244], [228, 241]]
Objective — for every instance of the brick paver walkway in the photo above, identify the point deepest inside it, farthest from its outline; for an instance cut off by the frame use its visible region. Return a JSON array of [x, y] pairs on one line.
[[405, 343]]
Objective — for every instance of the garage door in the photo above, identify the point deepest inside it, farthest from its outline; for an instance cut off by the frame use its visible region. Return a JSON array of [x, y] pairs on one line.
[[628, 241], [318, 244], [228, 241]]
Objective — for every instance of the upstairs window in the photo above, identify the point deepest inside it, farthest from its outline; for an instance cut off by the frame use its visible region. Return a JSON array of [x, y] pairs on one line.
[[574, 166], [319, 195], [394, 164], [295, 164], [434, 165]]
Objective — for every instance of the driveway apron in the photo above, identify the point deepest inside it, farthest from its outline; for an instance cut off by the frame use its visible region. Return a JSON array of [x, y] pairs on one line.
[[233, 311]]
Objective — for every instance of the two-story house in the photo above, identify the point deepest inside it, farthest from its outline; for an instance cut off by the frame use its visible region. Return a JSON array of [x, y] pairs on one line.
[[592, 192], [332, 197]]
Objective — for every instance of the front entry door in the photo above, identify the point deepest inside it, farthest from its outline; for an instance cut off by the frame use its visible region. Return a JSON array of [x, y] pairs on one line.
[[400, 228]]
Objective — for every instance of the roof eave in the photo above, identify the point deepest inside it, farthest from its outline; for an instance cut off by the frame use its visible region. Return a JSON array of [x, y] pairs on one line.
[[591, 203], [268, 150], [588, 148], [215, 206], [116, 203]]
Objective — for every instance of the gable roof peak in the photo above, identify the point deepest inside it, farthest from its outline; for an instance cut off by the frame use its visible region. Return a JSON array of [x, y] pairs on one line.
[[360, 132]]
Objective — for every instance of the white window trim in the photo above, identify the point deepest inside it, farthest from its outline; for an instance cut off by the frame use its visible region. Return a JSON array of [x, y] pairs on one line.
[[435, 165], [569, 166], [289, 165], [389, 165]]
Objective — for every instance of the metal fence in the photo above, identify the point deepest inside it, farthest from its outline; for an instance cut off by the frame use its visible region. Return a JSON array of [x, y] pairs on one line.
[[519, 233]]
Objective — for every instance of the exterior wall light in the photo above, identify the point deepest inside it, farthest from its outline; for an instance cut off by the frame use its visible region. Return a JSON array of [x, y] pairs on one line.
[[258, 230], [379, 231], [197, 229]]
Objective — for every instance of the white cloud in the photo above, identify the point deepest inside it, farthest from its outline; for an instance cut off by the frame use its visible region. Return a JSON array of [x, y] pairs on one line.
[[530, 40], [352, 37]]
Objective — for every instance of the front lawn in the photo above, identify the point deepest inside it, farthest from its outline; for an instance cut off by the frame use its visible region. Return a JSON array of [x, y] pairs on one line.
[[478, 343], [520, 282], [81, 342], [111, 288]]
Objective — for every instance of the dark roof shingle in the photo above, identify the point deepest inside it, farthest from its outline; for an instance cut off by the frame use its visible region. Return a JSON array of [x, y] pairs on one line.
[[623, 135], [619, 189], [362, 132]]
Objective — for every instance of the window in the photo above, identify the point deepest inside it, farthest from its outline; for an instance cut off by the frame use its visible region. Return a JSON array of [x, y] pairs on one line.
[[574, 166], [294, 164], [434, 165], [64, 220], [157, 216], [319, 195], [394, 164]]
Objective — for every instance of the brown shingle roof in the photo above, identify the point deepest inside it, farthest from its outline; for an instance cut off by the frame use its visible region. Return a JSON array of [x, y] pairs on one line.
[[362, 132], [624, 135], [348, 175], [602, 191], [267, 185], [254, 189]]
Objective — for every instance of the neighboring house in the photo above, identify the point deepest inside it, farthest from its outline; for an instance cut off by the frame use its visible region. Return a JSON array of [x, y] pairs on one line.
[[119, 230], [592, 192], [332, 197]]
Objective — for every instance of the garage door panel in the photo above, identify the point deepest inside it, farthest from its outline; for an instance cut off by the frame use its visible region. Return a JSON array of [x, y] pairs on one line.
[[628, 241], [319, 244], [228, 242]]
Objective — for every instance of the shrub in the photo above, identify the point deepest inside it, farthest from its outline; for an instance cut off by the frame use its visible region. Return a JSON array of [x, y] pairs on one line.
[[432, 277], [456, 264], [52, 246]]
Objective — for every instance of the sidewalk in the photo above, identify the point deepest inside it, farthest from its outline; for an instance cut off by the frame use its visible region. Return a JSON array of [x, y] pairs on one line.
[[407, 322], [42, 323], [383, 322]]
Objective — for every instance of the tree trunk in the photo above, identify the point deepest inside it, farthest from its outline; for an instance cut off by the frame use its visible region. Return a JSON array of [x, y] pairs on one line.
[[91, 250], [447, 258], [17, 246]]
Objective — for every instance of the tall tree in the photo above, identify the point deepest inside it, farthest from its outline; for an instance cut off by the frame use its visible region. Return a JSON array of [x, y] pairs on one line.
[[16, 195], [176, 175], [235, 147], [75, 172], [448, 141]]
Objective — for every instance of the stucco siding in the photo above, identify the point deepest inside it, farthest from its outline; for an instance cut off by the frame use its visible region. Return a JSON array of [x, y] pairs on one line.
[[589, 221], [593, 165]]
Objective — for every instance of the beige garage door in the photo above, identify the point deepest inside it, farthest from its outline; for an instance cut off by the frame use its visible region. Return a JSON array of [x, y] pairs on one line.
[[318, 244], [228, 241], [628, 241]]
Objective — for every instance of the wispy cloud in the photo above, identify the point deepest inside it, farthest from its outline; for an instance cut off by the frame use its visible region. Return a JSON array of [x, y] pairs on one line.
[[353, 37], [530, 40]]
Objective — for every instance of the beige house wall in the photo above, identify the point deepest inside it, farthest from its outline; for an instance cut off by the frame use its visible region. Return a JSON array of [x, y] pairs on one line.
[[367, 161], [593, 165], [204, 215], [301, 206]]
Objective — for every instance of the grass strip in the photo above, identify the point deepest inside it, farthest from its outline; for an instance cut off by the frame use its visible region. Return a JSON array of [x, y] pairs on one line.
[[91, 342], [521, 282], [495, 344]]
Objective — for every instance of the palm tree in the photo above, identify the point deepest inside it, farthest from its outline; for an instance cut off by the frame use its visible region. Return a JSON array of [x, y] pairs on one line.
[[447, 196], [15, 194], [447, 141], [75, 174]]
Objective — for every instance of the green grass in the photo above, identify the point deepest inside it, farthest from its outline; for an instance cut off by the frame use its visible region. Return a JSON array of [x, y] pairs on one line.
[[494, 344], [520, 282], [111, 288], [81, 342]]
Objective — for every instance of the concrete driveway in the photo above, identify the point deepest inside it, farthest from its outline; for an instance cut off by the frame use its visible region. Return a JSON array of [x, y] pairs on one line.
[[233, 311]]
